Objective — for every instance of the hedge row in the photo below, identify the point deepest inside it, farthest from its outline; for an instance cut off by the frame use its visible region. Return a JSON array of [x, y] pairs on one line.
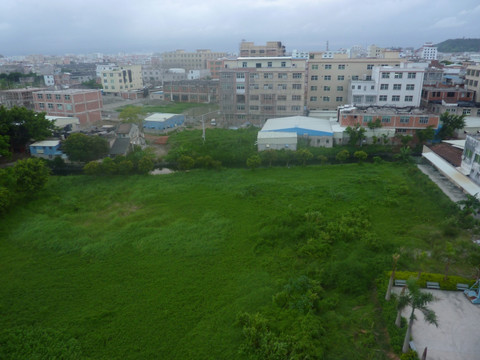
[[449, 284]]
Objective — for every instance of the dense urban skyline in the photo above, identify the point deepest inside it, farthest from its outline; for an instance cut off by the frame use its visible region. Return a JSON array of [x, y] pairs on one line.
[[56, 27]]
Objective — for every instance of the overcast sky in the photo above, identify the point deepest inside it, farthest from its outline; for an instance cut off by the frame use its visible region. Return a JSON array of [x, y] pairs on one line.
[[57, 27]]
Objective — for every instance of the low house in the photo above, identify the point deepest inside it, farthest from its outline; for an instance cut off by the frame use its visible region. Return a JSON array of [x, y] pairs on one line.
[[46, 149], [318, 132], [162, 121]]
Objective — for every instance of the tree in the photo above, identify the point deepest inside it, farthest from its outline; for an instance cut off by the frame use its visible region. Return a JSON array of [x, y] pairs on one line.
[[425, 135], [130, 114], [404, 139], [83, 148], [303, 155], [450, 123], [416, 300], [392, 277], [31, 175], [356, 134], [185, 162], [22, 126], [471, 205], [342, 156], [269, 156], [254, 162], [361, 156]]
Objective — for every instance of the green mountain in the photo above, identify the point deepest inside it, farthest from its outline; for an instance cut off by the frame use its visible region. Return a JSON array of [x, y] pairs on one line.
[[459, 45]]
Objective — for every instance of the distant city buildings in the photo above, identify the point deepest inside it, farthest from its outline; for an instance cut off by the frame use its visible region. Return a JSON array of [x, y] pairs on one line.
[[122, 79], [270, 49], [190, 60]]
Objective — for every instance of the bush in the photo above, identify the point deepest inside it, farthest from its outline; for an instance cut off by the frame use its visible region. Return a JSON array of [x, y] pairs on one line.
[[185, 162], [360, 156], [254, 162], [449, 284], [342, 156], [410, 355]]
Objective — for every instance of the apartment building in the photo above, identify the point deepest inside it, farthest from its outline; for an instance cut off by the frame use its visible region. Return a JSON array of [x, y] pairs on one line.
[[122, 79], [215, 67], [190, 60], [86, 105], [18, 97], [398, 86], [270, 49], [428, 51], [329, 76], [472, 80], [257, 88]]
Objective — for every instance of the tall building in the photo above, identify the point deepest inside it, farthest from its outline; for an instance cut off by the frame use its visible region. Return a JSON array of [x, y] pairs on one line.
[[18, 97], [329, 76], [190, 60], [258, 88], [86, 105], [428, 51], [122, 79], [398, 86], [270, 49], [472, 80]]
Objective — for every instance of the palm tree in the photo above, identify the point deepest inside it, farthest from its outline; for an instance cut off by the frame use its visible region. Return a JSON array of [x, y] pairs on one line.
[[416, 300], [392, 276]]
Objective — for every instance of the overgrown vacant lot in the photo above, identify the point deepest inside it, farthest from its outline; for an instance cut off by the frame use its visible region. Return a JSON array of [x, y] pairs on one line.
[[161, 267]]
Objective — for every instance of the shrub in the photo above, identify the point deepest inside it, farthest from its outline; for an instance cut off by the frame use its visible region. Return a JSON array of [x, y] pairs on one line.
[[342, 156], [254, 162], [410, 355], [449, 284], [185, 162]]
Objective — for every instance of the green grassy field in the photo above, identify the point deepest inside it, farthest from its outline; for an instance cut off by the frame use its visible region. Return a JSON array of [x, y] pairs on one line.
[[145, 267]]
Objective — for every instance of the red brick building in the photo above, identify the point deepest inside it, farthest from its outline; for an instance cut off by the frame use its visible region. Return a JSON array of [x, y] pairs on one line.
[[86, 105], [449, 94], [215, 67]]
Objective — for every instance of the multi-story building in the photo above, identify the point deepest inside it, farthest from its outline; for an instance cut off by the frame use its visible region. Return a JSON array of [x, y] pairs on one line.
[[471, 158], [270, 49], [152, 75], [215, 66], [122, 79], [190, 60], [329, 76], [398, 86], [404, 122], [472, 80], [18, 97], [196, 91], [257, 88], [452, 99], [428, 51], [86, 105]]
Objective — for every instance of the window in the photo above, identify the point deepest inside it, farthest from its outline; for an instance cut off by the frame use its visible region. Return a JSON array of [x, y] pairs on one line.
[[408, 98], [296, 97], [254, 107], [281, 108], [328, 66], [49, 96], [297, 86], [269, 64], [385, 119], [254, 86], [385, 75], [328, 77], [369, 66], [42, 106], [370, 98], [339, 98], [244, 64], [367, 119], [58, 96], [383, 86], [295, 108], [341, 67], [314, 67], [239, 87], [368, 78], [410, 87], [404, 119], [372, 87], [297, 75], [467, 111], [282, 97], [267, 86], [258, 65], [282, 86], [241, 107], [283, 64], [339, 88], [398, 75], [326, 88], [397, 86], [395, 98], [313, 98], [268, 76], [59, 106], [67, 97], [340, 77], [282, 76], [326, 98], [355, 77], [254, 97], [50, 106], [411, 75], [314, 77], [382, 98], [357, 99], [240, 75], [423, 120], [313, 88]]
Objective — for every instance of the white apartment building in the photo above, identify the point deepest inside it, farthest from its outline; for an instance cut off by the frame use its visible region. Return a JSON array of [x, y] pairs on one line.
[[330, 74], [429, 51], [472, 80], [258, 88], [198, 74], [122, 79], [390, 86]]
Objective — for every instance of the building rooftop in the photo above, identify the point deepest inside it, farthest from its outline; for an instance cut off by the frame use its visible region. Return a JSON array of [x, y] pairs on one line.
[[297, 124], [160, 117], [383, 110], [46, 143], [69, 91], [124, 128], [449, 153]]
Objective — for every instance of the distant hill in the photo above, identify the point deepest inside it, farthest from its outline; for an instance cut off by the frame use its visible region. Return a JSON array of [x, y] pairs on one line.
[[459, 45]]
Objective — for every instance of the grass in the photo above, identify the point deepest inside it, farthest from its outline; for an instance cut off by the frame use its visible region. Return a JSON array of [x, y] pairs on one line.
[[172, 108], [159, 267]]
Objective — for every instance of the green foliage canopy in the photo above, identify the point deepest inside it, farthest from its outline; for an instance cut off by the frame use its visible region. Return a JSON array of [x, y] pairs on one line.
[[450, 123], [80, 147]]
